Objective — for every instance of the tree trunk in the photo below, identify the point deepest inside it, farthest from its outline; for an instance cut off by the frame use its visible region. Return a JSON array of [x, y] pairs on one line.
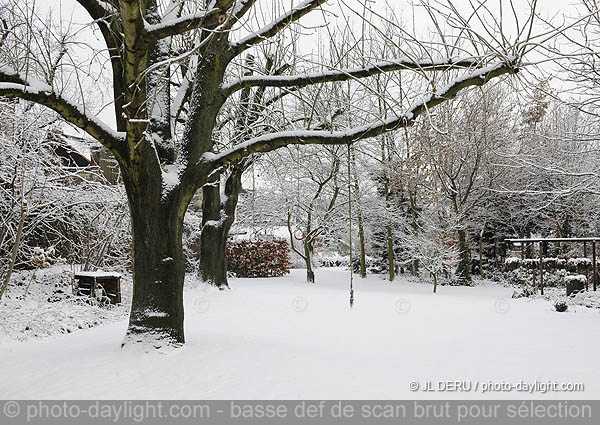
[[463, 270], [308, 256], [218, 216], [413, 212], [359, 219], [390, 253], [481, 275], [156, 319], [213, 239], [213, 257], [361, 239]]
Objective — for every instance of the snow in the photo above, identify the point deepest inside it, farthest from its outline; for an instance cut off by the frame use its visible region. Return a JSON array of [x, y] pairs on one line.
[[170, 178], [169, 21], [282, 338], [98, 273], [576, 278], [287, 17], [404, 62], [35, 86], [41, 303]]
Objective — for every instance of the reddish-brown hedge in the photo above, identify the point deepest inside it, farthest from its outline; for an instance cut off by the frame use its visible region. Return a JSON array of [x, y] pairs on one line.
[[258, 258]]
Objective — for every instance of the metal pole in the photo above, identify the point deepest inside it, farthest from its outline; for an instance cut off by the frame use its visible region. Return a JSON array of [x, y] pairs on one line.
[[587, 280], [594, 270], [542, 268]]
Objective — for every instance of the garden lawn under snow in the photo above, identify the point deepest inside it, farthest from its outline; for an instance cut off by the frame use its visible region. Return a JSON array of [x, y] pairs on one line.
[[282, 338]]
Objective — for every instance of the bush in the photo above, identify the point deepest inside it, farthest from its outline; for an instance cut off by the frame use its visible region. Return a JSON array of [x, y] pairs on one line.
[[524, 293], [560, 306], [579, 265], [333, 259], [258, 258]]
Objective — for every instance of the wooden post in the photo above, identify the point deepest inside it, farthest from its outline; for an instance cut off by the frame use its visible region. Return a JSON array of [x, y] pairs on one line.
[[522, 251], [585, 249], [541, 268], [93, 288], [594, 270], [495, 250]]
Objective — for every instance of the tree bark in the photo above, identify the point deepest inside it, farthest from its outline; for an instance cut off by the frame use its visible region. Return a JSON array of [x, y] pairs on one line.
[[390, 253], [361, 239], [413, 212], [463, 270], [156, 318], [218, 216], [213, 239], [359, 220], [481, 275], [308, 256]]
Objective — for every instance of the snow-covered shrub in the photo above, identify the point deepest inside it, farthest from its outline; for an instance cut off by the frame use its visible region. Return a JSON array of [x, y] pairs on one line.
[[332, 259], [41, 303], [296, 261], [551, 263], [44, 257], [191, 238], [555, 278], [526, 292], [369, 262], [495, 275], [531, 263], [561, 306], [578, 278], [519, 277], [578, 264], [258, 258], [70, 210], [512, 263], [590, 299]]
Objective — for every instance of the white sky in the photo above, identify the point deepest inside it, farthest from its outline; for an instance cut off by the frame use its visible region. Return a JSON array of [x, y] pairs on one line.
[[548, 9]]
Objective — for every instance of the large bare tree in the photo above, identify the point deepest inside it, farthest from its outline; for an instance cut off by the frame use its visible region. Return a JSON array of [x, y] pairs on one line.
[[164, 139]]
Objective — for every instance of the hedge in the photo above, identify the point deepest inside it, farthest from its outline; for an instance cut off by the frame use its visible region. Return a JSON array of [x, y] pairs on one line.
[[258, 258]]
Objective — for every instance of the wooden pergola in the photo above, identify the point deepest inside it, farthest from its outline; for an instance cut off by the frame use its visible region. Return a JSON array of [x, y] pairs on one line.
[[543, 244]]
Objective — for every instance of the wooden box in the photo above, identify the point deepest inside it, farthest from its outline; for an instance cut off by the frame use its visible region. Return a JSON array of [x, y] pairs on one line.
[[99, 284]]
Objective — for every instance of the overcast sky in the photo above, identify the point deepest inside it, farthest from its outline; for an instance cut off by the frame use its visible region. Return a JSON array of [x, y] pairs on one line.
[[548, 9]]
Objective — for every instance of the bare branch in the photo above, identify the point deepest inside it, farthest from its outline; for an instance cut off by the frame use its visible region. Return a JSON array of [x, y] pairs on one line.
[[14, 85], [111, 32], [273, 141], [96, 9], [276, 26], [400, 64]]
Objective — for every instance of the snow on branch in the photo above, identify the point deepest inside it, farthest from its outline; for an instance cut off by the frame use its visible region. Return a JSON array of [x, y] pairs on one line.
[[103, 13], [270, 142], [277, 25], [206, 18], [241, 8], [303, 80], [13, 84]]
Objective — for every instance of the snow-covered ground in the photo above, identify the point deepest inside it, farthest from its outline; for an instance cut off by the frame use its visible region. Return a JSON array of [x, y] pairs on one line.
[[281, 338]]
